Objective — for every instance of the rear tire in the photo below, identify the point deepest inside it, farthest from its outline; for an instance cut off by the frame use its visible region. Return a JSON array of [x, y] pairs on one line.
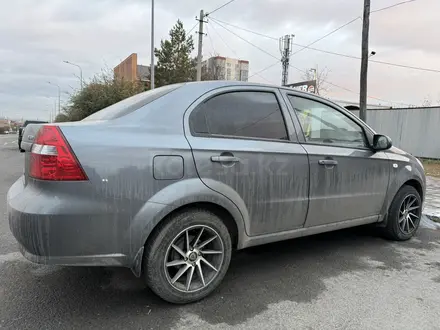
[[404, 214], [178, 265]]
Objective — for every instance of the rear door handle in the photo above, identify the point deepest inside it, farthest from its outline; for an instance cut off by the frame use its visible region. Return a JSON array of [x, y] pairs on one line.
[[225, 159], [327, 162]]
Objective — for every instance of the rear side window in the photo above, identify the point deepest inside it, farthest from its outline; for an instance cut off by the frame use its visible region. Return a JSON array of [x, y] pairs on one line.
[[242, 114], [131, 104]]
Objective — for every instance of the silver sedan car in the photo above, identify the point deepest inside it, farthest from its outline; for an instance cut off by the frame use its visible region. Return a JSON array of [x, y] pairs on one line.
[[169, 182]]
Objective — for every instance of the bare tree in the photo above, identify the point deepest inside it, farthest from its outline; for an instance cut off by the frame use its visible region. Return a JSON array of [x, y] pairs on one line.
[[427, 102], [321, 79], [214, 73]]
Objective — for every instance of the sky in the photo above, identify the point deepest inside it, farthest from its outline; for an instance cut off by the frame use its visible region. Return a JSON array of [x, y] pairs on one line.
[[37, 36]]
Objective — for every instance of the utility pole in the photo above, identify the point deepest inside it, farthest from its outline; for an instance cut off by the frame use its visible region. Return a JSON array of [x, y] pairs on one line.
[[286, 51], [364, 62], [152, 47], [199, 50]]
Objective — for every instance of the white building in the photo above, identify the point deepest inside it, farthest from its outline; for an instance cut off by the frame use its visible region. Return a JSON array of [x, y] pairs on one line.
[[225, 68]]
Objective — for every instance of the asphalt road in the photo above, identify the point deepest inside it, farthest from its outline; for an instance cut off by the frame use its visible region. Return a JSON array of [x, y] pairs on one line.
[[345, 280]]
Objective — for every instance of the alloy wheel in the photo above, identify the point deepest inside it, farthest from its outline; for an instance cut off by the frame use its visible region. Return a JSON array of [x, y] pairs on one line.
[[194, 258], [409, 214]]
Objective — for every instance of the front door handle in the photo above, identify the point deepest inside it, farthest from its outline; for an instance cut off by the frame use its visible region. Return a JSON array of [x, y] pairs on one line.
[[328, 162], [225, 159]]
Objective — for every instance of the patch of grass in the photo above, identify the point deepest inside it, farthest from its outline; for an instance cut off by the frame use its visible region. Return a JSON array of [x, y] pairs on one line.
[[434, 218], [432, 167]]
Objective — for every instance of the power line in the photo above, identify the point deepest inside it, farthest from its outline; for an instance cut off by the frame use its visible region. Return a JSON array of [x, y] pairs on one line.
[[192, 28], [334, 53], [373, 61], [266, 68], [319, 39], [253, 45], [388, 7], [244, 29], [247, 41], [302, 71], [225, 4], [224, 42], [325, 36], [233, 51], [210, 39], [406, 66], [348, 23], [259, 48]]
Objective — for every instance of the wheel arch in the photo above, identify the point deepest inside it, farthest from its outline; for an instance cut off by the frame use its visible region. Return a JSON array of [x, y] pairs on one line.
[[416, 185], [180, 196], [393, 190], [218, 210]]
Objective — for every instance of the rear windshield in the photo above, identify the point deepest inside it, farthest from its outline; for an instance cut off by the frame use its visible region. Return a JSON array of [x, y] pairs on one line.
[[33, 122], [131, 104]]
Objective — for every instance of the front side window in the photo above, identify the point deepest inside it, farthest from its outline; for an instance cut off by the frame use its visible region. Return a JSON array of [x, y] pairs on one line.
[[325, 125], [243, 114]]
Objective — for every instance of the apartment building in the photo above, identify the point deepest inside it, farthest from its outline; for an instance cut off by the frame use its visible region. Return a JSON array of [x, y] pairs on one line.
[[225, 68]]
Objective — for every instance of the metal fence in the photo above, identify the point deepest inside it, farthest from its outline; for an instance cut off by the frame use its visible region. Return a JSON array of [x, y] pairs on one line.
[[415, 130]]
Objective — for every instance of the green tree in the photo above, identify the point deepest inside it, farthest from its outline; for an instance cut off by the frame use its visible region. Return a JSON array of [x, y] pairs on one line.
[[61, 117], [174, 62], [102, 91]]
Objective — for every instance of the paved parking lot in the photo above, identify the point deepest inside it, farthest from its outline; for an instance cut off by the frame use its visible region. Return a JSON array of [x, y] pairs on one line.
[[345, 280]]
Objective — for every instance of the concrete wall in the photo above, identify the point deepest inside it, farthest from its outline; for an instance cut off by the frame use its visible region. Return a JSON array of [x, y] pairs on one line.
[[414, 130]]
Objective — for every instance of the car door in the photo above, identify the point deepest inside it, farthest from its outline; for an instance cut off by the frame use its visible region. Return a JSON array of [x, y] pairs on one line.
[[348, 180], [245, 147]]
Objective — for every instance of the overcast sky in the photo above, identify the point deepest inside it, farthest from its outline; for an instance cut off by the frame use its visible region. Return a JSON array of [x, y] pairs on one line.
[[36, 36]]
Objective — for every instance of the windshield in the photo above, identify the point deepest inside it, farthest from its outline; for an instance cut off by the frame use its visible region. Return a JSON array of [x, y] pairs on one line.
[[131, 104]]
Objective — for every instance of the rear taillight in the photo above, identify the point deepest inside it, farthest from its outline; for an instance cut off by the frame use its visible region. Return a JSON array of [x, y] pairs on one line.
[[52, 158]]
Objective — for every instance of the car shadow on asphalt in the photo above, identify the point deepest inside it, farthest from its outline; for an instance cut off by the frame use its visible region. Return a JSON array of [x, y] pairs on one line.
[[294, 270]]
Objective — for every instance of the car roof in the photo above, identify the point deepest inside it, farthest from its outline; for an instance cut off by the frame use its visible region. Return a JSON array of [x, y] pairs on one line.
[[226, 83], [205, 86]]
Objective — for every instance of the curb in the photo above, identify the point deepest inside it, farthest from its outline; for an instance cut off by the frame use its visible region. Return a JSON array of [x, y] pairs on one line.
[[430, 221]]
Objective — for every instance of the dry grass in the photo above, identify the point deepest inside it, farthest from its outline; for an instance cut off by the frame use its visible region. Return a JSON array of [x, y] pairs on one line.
[[432, 167]]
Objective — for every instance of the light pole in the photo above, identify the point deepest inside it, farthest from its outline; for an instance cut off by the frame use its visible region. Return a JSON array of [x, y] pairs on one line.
[[152, 47], [59, 95], [80, 72], [54, 108], [315, 73]]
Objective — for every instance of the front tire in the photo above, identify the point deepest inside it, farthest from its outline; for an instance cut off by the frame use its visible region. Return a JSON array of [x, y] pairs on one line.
[[404, 214], [188, 256]]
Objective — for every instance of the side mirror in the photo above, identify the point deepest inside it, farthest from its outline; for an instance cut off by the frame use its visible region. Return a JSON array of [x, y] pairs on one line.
[[381, 142]]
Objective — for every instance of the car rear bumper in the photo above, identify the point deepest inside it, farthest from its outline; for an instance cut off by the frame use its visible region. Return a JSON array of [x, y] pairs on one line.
[[63, 230], [113, 260]]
